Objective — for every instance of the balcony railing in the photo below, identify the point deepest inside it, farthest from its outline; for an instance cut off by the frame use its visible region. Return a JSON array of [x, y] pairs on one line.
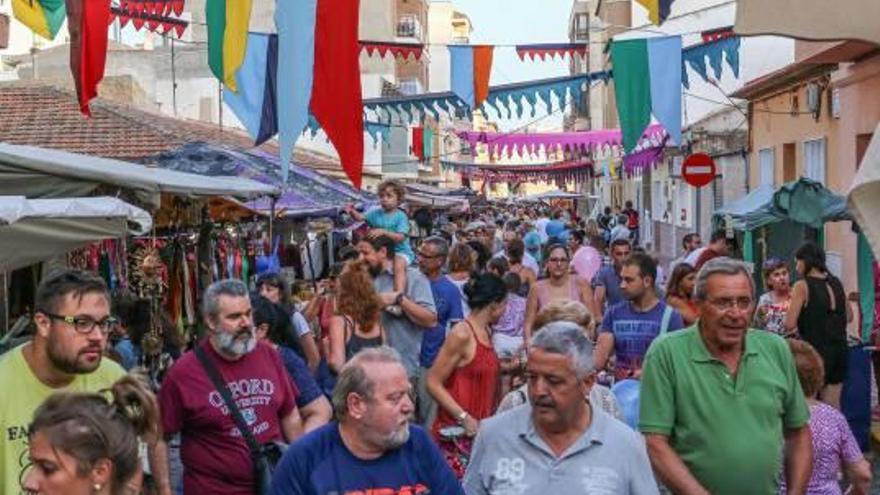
[[409, 27]]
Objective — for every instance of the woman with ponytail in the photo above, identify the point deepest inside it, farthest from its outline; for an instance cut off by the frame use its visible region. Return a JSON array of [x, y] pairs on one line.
[[464, 379], [89, 443]]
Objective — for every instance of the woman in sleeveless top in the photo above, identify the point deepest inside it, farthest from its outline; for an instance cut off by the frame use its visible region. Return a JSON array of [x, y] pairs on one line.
[[464, 379], [514, 251], [462, 262], [680, 292], [357, 325], [819, 311], [560, 285]]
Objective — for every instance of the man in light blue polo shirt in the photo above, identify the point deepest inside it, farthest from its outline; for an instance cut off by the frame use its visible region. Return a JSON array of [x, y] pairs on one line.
[[558, 444]]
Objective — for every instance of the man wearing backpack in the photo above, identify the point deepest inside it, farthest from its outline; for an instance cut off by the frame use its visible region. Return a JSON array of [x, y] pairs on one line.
[[630, 326], [632, 221]]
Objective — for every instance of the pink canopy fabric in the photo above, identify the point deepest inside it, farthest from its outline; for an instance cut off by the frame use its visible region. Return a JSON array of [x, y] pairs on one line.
[[550, 141]]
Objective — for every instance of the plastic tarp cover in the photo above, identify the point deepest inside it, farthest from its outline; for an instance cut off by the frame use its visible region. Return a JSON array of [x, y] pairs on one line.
[[34, 230], [803, 201], [864, 195], [45, 173]]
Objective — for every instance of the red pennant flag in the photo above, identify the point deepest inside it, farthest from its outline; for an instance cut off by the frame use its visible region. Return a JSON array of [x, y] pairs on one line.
[[482, 71], [123, 20], [179, 29], [87, 23], [418, 143], [152, 24], [178, 7], [137, 22], [337, 101]]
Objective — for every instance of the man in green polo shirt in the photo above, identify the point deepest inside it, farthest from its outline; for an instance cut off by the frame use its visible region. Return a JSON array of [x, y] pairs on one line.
[[721, 405]]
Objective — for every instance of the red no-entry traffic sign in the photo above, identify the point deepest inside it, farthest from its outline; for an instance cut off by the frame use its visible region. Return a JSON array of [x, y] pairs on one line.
[[698, 170]]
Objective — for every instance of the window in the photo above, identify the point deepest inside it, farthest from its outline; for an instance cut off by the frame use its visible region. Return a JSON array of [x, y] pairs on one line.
[[814, 160], [581, 27], [789, 162], [408, 27], [766, 164]]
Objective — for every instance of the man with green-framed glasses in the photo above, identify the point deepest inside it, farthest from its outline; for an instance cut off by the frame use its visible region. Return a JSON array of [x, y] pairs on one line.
[[72, 322]]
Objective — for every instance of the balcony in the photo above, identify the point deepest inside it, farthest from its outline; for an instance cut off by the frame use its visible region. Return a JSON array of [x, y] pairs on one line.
[[409, 27]]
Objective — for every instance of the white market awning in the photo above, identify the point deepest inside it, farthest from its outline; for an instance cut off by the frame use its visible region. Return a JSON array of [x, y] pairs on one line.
[[34, 230], [47, 173], [863, 199]]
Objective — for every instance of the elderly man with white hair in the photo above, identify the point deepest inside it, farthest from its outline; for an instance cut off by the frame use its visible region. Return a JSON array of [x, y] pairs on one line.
[[558, 441]]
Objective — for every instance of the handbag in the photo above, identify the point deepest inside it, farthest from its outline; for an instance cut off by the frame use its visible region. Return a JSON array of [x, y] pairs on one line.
[[264, 457]]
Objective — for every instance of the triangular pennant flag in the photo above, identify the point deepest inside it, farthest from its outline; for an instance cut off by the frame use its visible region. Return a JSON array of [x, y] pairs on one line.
[[137, 22], [658, 10], [336, 92], [178, 7], [43, 17], [179, 29], [123, 20], [87, 23], [152, 24]]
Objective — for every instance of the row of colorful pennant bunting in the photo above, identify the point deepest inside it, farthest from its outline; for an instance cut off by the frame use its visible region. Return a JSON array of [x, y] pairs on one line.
[[151, 21]]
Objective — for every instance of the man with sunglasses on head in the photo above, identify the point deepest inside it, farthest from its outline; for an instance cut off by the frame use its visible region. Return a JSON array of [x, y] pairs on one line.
[[71, 325], [721, 406]]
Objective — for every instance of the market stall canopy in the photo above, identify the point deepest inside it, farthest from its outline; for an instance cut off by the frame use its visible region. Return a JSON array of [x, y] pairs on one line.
[[45, 173], [33, 230], [306, 194], [803, 201], [547, 196], [439, 191], [864, 195]]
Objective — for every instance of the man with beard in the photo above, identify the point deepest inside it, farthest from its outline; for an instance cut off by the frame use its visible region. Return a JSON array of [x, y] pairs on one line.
[[721, 403], [215, 455], [629, 327], [416, 302], [606, 283], [72, 321], [371, 447], [558, 443]]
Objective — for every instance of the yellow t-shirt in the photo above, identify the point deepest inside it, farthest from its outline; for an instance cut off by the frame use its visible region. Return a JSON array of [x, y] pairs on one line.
[[20, 395]]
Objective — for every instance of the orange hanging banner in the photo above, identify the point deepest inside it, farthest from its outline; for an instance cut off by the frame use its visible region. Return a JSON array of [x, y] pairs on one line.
[[482, 72]]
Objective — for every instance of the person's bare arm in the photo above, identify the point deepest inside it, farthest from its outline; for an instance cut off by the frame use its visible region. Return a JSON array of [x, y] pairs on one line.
[[688, 314], [451, 354], [859, 475], [599, 296], [669, 467], [158, 456], [418, 314], [336, 359], [531, 314], [316, 414], [798, 301], [604, 348], [587, 297], [310, 349], [798, 459], [356, 215], [292, 426], [394, 236]]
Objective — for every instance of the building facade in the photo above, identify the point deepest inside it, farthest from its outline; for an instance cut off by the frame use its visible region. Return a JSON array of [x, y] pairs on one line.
[[814, 118]]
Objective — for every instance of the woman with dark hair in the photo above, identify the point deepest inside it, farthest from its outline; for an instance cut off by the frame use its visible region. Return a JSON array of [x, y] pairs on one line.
[[774, 304], [560, 285], [272, 287], [515, 252], [680, 292], [819, 312], [462, 262], [269, 319], [82, 444], [483, 255], [464, 379], [356, 326]]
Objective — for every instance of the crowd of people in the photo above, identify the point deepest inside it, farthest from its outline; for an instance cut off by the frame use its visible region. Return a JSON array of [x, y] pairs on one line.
[[483, 359]]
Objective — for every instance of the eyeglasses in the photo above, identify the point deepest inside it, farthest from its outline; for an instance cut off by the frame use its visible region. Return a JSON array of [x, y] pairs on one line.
[[728, 303], [85, 324]]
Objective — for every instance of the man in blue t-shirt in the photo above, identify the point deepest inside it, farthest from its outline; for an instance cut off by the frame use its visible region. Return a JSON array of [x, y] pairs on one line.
[[372, 448], [606, 282], [629, 327], [447, 299]]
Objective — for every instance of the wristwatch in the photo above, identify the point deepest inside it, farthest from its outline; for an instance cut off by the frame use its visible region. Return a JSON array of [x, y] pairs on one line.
[[461, 417], [399, 298]]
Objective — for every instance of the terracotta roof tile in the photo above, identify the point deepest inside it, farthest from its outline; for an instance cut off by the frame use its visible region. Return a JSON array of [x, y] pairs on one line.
[[46, 116]]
